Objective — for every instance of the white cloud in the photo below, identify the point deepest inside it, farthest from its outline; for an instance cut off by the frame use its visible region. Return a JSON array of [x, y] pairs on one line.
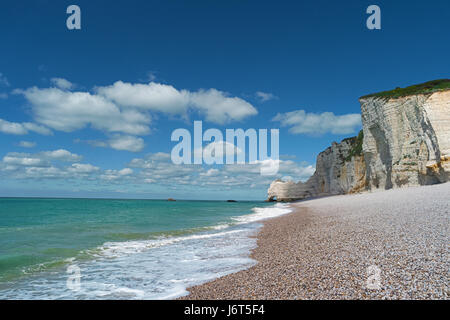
[[122, 108], [46, 165], [118, 142], [3, 80], [41, 159], [158, 169], [125, 172], [127, 143], [160, 156], [37, 128], [301, 122], [217, 149], [27, 144], [61, 155], [12, 127], [83, 168], [152, 96], [217, 106], [62, 83], [265, 96], [111, 175], [75, 171], [3, 96], [69, 111], [43, 173], [22, 128], [24, 159]]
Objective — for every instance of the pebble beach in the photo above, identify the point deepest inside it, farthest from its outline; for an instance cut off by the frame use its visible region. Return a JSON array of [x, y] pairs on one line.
[[391, 244]]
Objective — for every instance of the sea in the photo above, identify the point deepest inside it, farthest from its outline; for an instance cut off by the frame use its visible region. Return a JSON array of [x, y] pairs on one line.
[[123, 249]]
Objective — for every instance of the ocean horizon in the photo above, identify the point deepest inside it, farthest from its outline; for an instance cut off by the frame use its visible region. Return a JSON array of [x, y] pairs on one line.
[[123, 248], [224, 155]]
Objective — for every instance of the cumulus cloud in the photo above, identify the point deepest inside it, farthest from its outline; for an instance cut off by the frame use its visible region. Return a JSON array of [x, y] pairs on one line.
[[75, 171], [41, 159], [24, 159], [118, 142], [22, 128], [50, 172], [216, 105], [217, 149], [46, 165], [302, 122], [124, 108], [37, 128], [12, 127], [61, 155], [82, 168], [62, 83], [219, 108], [69, 111], [156, 169], [159, 169], [111, 175], [27, 144], [125, 142], [128, 143], [152, 96], [265, 96]]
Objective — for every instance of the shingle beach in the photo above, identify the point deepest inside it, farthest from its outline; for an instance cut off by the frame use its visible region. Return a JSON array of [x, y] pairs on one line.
[[386, 245]]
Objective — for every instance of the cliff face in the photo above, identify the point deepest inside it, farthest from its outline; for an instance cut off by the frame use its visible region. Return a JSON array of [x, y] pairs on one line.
[[339, 169], [405, 142], [289, 191]]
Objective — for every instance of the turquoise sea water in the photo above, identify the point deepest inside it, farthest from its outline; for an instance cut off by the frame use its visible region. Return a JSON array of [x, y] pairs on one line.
[[125, 249]]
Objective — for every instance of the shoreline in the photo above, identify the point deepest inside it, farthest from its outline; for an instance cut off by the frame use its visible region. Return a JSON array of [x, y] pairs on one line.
[[384, 245], [153, 255], [257, 254]]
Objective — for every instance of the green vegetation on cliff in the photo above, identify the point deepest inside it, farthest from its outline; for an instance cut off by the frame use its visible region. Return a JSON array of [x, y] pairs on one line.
[[423, 88], [357, 146]]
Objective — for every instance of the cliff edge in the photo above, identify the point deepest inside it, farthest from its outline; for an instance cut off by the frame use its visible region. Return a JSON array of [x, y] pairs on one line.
[[405, 141]]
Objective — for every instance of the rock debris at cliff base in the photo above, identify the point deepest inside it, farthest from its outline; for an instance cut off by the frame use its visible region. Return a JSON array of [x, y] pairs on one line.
[[324, 250]]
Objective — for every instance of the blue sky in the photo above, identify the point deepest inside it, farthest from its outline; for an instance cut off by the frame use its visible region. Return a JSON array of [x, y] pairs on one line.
[[89, 113]]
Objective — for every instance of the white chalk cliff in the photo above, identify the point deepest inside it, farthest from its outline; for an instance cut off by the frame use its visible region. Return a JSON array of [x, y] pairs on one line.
[[405, 141], [339, 169]]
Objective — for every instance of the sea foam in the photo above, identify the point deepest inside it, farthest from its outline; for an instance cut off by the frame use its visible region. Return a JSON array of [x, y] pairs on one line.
[[155, 268]]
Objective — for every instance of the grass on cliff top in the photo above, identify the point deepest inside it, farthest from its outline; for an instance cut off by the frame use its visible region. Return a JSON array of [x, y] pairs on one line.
[[427, 87], [357, 147]]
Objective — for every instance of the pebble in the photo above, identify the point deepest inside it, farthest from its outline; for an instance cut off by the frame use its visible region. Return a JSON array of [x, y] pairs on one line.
[[327, 248]]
